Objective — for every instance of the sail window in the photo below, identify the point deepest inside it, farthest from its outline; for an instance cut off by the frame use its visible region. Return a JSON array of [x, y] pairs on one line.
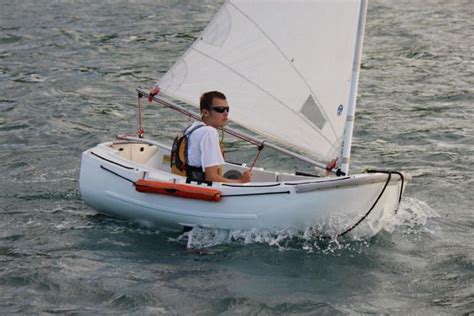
[[312, 112]]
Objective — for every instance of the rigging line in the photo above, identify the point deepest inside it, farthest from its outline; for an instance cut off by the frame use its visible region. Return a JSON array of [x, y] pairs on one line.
[[260, 148], [289, 62], [402, 178], [266, 92], [371, 208]]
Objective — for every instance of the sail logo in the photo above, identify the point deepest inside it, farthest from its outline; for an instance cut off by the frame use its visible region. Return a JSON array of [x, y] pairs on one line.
[[340, 108]]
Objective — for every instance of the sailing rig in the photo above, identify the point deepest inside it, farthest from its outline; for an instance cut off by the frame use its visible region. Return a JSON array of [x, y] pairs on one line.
[[292, 83]]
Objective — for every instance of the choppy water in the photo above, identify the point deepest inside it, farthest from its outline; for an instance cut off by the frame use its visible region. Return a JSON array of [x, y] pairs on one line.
[[67, 75]]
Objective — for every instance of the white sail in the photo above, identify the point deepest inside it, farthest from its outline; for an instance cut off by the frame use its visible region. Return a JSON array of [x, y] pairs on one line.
[[286, 68]]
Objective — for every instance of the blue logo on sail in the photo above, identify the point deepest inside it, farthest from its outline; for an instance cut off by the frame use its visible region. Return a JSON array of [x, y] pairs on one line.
[[340, 108]]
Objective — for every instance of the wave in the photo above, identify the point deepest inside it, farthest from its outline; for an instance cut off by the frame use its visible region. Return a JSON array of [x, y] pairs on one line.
[[412, 218]]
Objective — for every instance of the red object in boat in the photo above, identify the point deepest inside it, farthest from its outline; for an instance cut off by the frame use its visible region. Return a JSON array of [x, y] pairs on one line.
[[178, 190]]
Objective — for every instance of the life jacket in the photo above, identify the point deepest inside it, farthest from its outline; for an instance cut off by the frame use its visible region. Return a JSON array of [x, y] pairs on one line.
[[179, 156]]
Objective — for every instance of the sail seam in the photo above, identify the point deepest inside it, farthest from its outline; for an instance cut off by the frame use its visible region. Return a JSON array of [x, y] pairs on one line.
[[268, 93], [182, 58], [289, 62]]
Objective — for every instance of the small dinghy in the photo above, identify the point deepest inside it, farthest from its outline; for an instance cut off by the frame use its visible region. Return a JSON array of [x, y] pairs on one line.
[[290, 71]]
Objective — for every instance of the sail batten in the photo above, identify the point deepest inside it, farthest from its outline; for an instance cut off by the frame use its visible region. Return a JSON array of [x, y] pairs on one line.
[[285, 67]]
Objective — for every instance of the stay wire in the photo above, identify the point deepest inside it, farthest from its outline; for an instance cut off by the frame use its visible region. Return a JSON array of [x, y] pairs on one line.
[[140, 133]]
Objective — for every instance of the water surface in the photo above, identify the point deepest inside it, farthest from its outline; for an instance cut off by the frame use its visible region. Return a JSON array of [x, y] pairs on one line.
[[68, 70]]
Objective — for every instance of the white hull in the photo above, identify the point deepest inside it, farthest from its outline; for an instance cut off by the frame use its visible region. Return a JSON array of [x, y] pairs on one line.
[[276, 201]]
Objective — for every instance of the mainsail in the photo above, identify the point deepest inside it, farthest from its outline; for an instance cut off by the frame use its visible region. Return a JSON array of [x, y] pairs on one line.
[[288, 68]]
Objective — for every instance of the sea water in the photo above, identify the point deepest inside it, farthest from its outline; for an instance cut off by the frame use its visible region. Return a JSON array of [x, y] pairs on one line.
[[68, 70]]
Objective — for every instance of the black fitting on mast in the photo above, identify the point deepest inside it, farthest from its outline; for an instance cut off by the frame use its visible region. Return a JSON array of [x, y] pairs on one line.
[[339, 172]]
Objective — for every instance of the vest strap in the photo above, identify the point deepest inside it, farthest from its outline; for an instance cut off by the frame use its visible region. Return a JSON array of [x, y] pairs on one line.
[[195, 173]]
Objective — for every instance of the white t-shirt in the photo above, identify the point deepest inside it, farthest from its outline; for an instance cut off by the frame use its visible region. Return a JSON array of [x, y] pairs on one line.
[[203, 147]]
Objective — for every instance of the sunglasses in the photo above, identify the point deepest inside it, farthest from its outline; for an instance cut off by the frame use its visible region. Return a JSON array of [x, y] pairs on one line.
[[220, 109]]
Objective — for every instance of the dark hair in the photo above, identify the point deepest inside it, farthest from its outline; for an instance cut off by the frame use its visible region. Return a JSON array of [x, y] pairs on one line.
[[207, 97]]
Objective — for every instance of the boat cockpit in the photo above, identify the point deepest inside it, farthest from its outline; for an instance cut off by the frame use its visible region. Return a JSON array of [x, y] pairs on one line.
[[157, 156]]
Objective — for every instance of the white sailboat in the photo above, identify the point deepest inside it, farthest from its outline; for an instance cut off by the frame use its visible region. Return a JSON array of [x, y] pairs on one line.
[[290, 71]]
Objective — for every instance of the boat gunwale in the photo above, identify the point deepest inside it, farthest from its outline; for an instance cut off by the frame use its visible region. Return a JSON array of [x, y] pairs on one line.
[[299, 185]]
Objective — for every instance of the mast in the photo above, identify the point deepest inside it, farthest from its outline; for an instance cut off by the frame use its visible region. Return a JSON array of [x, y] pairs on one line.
[[348, 130]]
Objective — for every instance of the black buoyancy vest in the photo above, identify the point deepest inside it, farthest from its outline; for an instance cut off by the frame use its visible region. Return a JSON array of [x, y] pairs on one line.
[[179, 156]]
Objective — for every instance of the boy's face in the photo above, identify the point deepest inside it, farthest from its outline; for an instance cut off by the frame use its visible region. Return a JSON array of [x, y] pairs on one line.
[[218, 115]]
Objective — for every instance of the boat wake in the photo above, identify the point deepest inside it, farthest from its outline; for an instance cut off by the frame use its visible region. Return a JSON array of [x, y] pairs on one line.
[[412, 218]]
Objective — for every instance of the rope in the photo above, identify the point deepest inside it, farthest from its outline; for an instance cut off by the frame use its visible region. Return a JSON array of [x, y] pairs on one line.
[[221, 143], [373, 205], [140, 132], [389, 172], [260, 148]]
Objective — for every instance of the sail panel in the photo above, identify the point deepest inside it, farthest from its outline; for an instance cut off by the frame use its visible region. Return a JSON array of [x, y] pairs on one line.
[[285, 67]]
